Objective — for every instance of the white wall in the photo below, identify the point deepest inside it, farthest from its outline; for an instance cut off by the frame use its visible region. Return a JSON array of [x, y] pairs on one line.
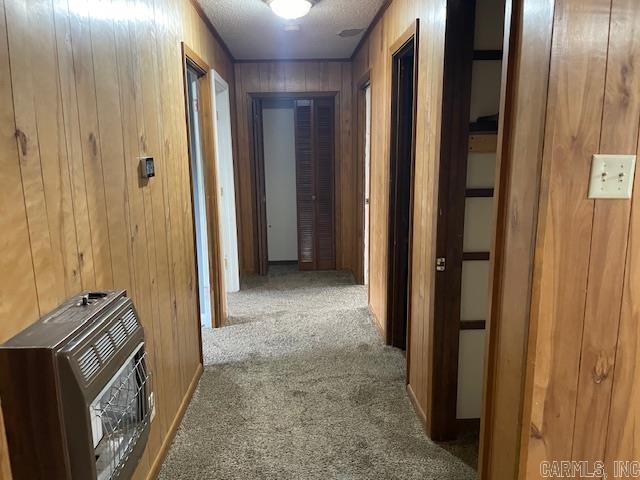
[[280, 184]]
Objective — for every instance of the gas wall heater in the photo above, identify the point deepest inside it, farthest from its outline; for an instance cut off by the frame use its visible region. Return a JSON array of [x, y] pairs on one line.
[[76, 391]]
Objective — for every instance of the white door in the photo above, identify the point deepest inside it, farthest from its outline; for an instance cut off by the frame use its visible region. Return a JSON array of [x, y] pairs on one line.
[[367, 179], [227, 193], [199, 202]]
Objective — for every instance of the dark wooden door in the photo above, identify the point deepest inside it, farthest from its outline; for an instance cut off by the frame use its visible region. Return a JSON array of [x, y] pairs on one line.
[[454, 150], [315, 159], [401, 193]]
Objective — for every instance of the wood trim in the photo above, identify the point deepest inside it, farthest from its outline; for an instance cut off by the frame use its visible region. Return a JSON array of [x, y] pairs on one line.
[[416, 406], [195, 59], [472, 324], [212, 29], [478, 193], [282, 262], [292, 95], [410, 34], [359, 148], [475, 256], [173, 429], [259, 186], [405, 37], [376, 322], [373, 24], [5, 463], [483, 142], [480, 55], [454, 149], [216, 270], [523, 104], [467, 425]]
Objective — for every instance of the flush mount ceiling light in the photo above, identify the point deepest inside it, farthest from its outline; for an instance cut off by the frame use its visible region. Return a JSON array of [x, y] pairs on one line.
[[290, 9]]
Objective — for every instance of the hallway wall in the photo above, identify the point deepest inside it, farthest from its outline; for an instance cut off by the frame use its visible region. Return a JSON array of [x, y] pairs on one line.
[[573, 260], [86, 87], [375, 57], [583, 385], [297, 77]]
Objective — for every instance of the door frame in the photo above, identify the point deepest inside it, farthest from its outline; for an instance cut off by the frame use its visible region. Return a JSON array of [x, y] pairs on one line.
[[255, 107], [454, 150], [511, 325], [193, 60], [361, 86], [411, 34]]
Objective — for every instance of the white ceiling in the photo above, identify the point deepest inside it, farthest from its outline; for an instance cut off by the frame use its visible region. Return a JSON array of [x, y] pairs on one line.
[[253, 32]]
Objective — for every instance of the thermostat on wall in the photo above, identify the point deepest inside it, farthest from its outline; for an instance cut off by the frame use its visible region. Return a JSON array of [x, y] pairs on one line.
[[147, 168]]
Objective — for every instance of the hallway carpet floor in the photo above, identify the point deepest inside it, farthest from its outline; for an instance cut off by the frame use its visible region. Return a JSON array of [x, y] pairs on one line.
[[298, 385]]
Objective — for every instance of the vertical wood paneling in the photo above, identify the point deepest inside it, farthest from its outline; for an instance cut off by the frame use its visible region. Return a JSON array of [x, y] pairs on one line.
[[582, 373], [85, 90], [574, 116], [609, 237], [46, 261], [519, 160], [297, 77], [375, 55]]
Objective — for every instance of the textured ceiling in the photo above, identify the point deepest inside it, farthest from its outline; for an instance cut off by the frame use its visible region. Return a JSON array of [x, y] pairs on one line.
[[253, 32]]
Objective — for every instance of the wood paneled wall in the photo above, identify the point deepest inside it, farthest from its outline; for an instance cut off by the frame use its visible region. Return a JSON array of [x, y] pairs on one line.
[[583, 382], [297, 77], [521, 143], [575, 261], [375, 57], [86, 87]]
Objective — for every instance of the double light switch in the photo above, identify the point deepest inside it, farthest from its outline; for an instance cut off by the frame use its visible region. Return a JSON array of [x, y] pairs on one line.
[[612, 176]]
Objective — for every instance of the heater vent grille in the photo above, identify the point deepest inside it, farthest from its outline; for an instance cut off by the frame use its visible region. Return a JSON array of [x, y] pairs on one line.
[[118, 334], [89, 363], [130, 322], [105, 348]]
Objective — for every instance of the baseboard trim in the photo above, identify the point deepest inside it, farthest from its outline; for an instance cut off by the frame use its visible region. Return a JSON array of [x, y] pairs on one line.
[[376, 323], [417, 408], [168, 439], [467, 425], [282, 262]]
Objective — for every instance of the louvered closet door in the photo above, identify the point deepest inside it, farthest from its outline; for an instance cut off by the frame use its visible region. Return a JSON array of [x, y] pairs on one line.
[[305, 184], [324, 164], [314, 132]]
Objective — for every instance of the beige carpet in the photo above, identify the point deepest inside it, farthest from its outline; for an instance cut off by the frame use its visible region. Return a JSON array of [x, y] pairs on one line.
[[299, 386]]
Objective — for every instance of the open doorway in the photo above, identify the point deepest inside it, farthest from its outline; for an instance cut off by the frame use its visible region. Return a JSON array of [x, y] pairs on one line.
[[204, 185], [199, 198], [403, 105], [465, 223], [363, 150], [367, 179], [227, 191], [294, 144]]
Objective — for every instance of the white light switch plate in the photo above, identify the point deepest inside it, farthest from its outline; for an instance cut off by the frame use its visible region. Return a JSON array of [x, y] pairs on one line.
[[612, 176]]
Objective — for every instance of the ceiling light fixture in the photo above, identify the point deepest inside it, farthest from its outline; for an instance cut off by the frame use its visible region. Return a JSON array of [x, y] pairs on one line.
[[290, 9]]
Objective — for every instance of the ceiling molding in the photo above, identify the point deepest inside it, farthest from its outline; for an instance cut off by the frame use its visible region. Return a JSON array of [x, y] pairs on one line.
[[212, 29], [373, 24]]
